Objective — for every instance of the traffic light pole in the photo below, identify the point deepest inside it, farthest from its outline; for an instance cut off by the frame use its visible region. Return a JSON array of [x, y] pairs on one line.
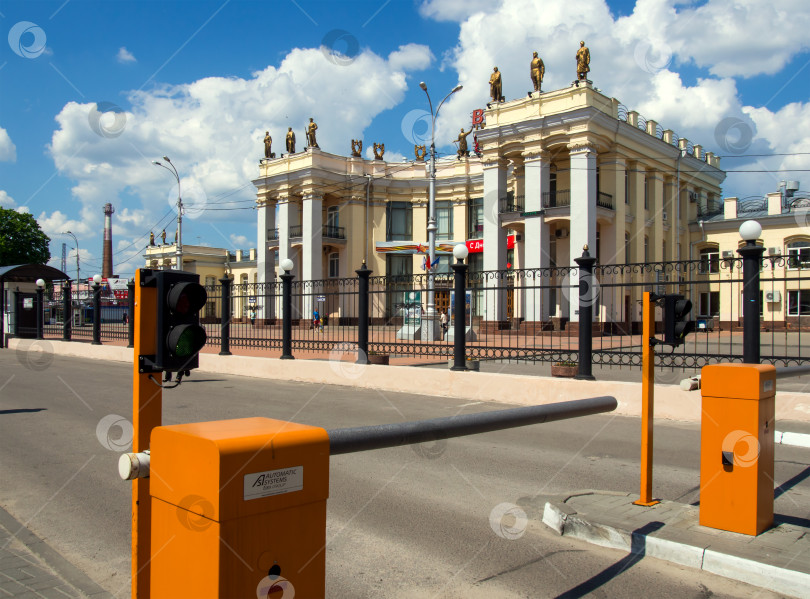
[[147, 407], [647, 397]]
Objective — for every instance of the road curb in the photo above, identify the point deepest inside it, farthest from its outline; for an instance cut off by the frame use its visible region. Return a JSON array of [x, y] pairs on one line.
[[795, 439], [566, 522], [52, 558]]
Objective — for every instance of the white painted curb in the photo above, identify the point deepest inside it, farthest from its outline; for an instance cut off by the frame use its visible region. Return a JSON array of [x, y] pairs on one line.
[[565, 522]]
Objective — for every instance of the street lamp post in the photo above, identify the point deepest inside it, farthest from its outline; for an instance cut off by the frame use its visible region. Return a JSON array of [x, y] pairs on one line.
[[40, 307], [96, 310], [178, 245], [78, 280], [751, 254], [429, 329]]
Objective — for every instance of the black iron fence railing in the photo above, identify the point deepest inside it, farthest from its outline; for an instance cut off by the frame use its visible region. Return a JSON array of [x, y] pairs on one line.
[[511, 315], [560, 198], [605, 200]]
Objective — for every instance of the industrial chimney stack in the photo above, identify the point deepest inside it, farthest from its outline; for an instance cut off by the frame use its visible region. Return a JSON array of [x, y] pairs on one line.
[[106, 264]]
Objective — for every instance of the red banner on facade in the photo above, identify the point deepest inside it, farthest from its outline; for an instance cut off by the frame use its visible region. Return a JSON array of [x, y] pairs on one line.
[[477, 245]]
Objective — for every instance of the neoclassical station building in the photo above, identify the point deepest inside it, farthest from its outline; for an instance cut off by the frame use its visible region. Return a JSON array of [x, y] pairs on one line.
[[557, 171]]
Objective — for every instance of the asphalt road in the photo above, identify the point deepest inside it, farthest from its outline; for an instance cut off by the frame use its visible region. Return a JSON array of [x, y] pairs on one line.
[[403, 522]]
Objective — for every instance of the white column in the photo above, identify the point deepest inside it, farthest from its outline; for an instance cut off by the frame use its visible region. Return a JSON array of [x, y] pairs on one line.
[[494, 237], [536, 236], [312, 246], [583, 211], [265, 259]]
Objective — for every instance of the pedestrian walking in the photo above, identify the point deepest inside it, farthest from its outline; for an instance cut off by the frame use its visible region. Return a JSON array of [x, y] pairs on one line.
[[316, 320]]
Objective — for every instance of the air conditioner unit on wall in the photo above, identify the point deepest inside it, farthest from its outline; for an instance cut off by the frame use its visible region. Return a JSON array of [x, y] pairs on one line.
[[773, 296], [559, 233], [774, 251], [728, 253]]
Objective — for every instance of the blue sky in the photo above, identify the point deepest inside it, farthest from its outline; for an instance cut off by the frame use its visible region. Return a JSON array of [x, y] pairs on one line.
[[91, 92]]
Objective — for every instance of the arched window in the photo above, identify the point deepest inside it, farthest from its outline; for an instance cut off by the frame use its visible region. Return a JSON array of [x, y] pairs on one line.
[[709, 260]]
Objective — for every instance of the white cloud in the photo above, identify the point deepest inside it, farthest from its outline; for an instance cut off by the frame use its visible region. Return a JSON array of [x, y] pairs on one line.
[[213, 130], [633, 58], [8, 151], [124, 56], [57, 222], [410, 57], [241, 241], [454, 10], [6, 201]]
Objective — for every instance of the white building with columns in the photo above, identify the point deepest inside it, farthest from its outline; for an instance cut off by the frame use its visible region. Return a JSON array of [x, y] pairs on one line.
[[558, 170]]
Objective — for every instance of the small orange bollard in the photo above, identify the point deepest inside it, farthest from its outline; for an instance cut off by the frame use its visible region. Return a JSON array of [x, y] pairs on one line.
[[737, 447], [239, 509]]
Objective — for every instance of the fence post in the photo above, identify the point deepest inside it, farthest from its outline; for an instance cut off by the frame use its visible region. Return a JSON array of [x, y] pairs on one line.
[[96, 314], [752, 258], [131, 313], [588, 295], [17, 308], [225, 324], [286, 309], [362, 314], [459, 311], [40, 313], [67, 308]]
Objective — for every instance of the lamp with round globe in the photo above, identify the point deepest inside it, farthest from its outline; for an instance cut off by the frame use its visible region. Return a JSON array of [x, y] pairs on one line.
[[286, 308], [96, 310], [460, 252], [751, 254], [40, 308]]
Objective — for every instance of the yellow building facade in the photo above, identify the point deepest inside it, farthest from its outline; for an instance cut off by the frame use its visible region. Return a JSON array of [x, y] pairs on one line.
[[557, 171]]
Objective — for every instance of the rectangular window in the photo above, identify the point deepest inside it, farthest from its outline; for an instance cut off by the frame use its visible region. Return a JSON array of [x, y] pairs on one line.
[[332, 216], [709, 304], [334, 265], [626, 188], [444, 220], [475, 224], [799, 257], [799, 302], [400, 221], [646, 193]]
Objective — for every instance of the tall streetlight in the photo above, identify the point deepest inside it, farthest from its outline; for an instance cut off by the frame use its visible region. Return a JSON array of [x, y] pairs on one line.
[[178, 245], [76, 241], [431, 331]]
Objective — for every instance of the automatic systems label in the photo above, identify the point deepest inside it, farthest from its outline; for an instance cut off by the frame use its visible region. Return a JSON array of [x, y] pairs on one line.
[[274, 482]]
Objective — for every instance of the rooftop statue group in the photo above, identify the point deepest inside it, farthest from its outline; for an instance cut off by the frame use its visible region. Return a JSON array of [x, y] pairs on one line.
[[289, 140], [537, 70]]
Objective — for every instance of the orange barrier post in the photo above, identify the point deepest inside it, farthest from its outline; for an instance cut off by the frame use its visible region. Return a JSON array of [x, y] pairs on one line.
[[147, 406], [239, 509], [737, 447], [647, 403]]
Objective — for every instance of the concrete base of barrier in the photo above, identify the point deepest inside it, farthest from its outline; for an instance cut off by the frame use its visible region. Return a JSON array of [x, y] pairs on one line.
[[671, 402]]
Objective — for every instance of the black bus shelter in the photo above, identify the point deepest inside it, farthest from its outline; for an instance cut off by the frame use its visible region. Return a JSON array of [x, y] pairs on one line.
[[27, 273]]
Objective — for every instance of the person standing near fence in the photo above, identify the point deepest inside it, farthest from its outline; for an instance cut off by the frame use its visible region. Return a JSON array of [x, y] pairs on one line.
[[252, 315], [443, 320], [316, 320]]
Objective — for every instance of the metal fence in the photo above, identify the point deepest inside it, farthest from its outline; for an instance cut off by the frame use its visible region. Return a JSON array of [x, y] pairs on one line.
[[512, 315]]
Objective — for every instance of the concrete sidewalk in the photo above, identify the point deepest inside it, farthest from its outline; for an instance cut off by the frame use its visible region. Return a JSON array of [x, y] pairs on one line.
[[778, 559], [29, 567]]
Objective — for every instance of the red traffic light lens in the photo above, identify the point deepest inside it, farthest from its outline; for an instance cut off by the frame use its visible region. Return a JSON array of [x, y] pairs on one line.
[[187, 298]]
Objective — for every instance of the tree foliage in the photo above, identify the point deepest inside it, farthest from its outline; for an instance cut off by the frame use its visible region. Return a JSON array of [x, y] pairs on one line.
[[21, 239]]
